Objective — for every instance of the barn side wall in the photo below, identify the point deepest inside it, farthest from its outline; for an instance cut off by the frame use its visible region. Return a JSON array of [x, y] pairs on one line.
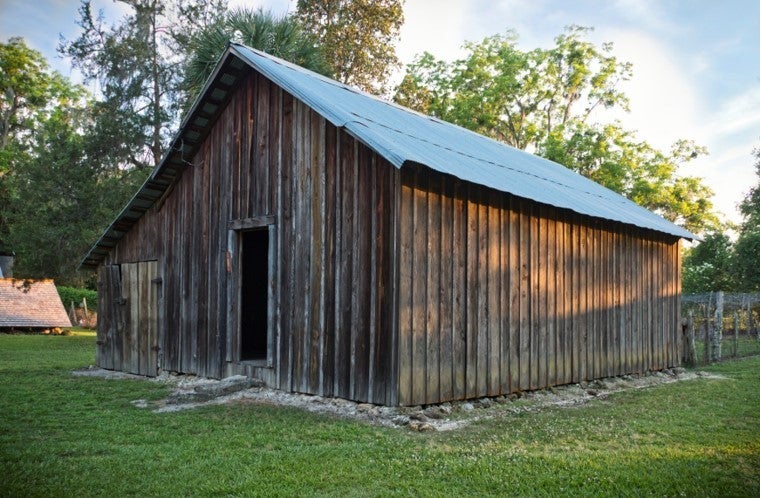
[[498, 294], [271, 155]]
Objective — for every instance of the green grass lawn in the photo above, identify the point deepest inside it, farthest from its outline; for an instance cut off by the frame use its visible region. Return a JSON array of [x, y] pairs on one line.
[[78, 436]]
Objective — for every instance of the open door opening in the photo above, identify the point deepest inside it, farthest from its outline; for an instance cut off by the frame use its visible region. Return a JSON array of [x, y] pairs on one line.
[[254, 294]]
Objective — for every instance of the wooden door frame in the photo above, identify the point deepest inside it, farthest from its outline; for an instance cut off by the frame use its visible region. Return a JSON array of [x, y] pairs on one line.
[[233, 265]]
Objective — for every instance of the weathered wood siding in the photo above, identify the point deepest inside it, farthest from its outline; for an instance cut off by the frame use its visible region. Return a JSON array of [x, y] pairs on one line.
[[331, 198], [499, 294], [128, 324], [393, 287]]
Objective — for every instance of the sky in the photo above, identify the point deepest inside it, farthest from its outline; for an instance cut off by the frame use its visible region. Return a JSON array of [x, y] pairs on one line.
[[696, 63]]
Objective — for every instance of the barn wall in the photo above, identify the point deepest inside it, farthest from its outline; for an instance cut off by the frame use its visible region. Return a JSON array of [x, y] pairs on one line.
[[269, 154], [499, 294]]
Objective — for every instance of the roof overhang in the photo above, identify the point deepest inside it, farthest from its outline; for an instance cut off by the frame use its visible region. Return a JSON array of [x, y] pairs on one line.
[[194, 128]]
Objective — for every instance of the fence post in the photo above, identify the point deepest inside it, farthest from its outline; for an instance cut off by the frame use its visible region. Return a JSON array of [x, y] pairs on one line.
[[736, 333], [717, 327], [690, 352], [84, 305], [707, 335]]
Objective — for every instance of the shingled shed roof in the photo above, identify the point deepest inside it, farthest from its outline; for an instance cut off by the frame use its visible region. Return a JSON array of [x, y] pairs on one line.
[[30, 303], [398, 134]]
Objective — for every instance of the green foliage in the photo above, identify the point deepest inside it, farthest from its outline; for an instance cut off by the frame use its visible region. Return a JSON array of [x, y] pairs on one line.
[[518, 97], [750, 205], [135, 62], [29, 93], [544, 101], [747, 247], [718, 264], [134, 75], [67, 435], [707, 267], [281, 37], [59, 189], [77, 295], [357, 38], [747, 261]]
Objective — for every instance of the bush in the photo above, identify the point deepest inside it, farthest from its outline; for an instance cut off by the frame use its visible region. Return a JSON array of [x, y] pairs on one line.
[[69, 294]]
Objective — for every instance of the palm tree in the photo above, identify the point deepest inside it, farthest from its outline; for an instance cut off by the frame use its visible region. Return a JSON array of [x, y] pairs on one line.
[[259, 29]]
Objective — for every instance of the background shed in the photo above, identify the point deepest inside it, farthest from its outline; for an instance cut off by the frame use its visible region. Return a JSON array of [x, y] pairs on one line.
[[30, 304], [328, 242]]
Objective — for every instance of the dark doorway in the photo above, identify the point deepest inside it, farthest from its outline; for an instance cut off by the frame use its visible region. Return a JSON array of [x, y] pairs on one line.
[[254, 294]]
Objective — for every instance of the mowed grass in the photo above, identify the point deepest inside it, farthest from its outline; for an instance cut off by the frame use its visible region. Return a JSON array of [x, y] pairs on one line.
[[62, 435]]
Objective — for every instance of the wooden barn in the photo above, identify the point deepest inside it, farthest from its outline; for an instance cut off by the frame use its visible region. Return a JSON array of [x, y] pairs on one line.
[[325, 241]]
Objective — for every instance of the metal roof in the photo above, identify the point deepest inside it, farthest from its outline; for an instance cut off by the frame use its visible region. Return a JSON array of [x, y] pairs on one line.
[[398, 134], [401, 135]]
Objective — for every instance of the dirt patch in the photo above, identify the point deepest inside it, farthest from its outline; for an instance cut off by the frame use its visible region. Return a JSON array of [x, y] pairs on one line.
[[189, 392]]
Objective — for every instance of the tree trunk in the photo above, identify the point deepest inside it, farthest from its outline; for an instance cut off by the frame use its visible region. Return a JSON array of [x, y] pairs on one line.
[[156, 95]]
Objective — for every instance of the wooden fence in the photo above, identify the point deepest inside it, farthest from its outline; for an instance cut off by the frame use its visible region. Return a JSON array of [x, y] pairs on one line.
[[718, 325]]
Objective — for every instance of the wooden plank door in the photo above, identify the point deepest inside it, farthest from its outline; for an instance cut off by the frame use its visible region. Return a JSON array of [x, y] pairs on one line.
[[128, 337], [108, 354], [139, 333]]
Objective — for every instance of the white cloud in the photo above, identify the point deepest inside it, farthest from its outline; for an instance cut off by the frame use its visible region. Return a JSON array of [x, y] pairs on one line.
[[739, 113], [664, 102], [646, 14], [438, 28]]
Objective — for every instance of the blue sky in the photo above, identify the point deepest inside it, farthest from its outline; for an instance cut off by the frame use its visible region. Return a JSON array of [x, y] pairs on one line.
[[696, 62]]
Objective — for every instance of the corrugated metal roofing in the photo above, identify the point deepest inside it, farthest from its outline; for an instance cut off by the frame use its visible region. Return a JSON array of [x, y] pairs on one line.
[[396, 133], [401, 135]]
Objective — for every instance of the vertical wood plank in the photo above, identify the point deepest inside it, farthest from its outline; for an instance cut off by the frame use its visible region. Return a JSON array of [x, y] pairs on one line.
[[541, 291], [594, 312], [143, 321], [406, 275], [433, 298], [363, 220], [579, 322], [482, 349], [134, 316], [419, 292], [550, 290], [525, 297], [459, 290], [286, 231], [566, 281], [504, 296], [471, 292], [515, 301], [317, 199], [494, 311], [331, 282], [447, 257]]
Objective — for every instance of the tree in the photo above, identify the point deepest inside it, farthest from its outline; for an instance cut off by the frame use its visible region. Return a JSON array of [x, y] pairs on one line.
[[136, 62], [615, 158], [514, 96], [29, 91], [747, 247], [750, 205], [133, 74], [707, 267], [545, 101], [64, 197], [281, 37], [57, 190], [357, 37]]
